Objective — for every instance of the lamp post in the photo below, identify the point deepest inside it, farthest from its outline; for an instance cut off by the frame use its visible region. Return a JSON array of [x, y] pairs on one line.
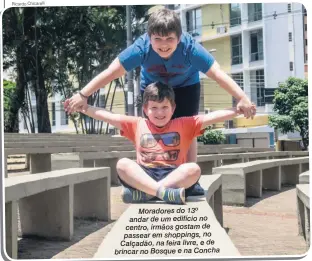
[[130, 96]]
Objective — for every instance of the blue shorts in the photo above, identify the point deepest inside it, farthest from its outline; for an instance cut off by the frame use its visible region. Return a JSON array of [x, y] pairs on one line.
[[158, 174]]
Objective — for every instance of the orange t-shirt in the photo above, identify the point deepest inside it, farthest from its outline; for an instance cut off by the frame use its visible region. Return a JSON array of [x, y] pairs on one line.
[[161, 147]]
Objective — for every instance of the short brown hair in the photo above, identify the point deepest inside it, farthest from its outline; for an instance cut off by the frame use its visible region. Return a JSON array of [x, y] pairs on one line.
[[163, 22], [158, 92]]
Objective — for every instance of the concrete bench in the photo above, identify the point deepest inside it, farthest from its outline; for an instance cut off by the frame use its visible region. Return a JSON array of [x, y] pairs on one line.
[[304, 178], [155, 229], [208, 162], [248, 179], [40, 155], [303, 211], [8, 135], [63, 143], [108, 159], [48, 202], [56, 143]]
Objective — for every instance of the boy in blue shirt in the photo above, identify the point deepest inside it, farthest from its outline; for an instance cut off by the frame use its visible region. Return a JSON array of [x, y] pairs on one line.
[[172, 57]]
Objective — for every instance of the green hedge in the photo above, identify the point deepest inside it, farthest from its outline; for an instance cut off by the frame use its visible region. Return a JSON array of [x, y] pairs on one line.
[[212, 137]]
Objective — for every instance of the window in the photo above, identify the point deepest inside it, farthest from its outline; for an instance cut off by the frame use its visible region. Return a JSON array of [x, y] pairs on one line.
[[305, 27], [306, 58], [102, 101], [236, 44], [269, 95], [239, 79], [64, 117], [256, 46], [306, 42], [291, 66], [53, 113], [173, 7], [254, 12], [235, 14], [194, 22], [289, 8], [260, 87], [289, 37]]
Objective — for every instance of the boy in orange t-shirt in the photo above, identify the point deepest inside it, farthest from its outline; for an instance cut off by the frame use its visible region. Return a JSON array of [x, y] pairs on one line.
[[161, 169]]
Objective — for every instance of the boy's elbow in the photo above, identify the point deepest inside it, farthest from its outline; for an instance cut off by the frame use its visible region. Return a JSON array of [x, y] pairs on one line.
[[115, 70]]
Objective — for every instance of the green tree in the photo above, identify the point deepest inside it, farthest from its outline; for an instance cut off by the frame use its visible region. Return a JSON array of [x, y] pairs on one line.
[[211, 136], [60, 49], [10, 119], [291, 107]]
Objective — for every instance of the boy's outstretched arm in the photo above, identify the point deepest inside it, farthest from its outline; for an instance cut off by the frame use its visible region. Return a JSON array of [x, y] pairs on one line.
[[78, 100], [244, 104], [100, 114], [103, 115], [219, 116]]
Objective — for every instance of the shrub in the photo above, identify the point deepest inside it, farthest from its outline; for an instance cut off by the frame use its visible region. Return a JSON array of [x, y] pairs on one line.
[[212, 137]]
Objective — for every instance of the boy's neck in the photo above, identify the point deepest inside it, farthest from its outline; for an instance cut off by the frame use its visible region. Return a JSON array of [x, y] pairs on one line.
[[159, 127]]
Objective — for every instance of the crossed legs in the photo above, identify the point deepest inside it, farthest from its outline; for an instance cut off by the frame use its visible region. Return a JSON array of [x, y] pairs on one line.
[[182, 177]]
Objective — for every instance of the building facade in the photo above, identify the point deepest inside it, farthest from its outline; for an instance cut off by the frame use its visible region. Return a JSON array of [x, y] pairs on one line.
[[257, 44], [305, 36]]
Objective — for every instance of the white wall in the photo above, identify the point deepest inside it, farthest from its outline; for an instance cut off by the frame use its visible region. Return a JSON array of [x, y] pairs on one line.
[[278, 50], [299, 40]]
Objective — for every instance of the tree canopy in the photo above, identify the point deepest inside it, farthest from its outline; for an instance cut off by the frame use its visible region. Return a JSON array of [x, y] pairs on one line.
[[60, 49], [291, 107]]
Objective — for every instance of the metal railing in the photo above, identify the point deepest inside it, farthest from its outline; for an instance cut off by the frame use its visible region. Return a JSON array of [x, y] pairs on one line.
[[237, 59], [195, 31], [235, 21], [252, 17], [256, 56]]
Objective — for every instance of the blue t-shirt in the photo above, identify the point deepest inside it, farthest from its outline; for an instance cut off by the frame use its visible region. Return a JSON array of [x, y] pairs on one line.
[[181, 69]]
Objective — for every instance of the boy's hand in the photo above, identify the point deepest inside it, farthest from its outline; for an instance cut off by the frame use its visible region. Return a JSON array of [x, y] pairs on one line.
[[76, 103], [246, 107], [78, 109], [65, 104]]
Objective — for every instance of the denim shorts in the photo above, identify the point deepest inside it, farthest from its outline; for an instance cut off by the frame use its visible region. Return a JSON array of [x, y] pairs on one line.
[[158, 174]]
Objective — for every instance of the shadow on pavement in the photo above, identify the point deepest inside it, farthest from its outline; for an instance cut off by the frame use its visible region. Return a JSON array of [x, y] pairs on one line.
[[41, 248], [267, 194]]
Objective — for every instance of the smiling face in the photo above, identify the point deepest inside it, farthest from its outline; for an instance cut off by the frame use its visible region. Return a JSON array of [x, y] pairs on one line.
[[159, 113], [165, 46]]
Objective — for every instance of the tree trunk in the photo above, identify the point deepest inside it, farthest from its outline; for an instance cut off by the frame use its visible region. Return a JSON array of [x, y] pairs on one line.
[[19, 94], [44, 124]]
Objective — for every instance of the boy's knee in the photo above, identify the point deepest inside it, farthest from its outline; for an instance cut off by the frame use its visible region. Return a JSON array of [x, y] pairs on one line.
[[122, 164], [194, 169]]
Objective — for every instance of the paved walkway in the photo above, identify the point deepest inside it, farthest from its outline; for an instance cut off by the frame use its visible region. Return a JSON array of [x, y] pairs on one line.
[[267, 226]]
